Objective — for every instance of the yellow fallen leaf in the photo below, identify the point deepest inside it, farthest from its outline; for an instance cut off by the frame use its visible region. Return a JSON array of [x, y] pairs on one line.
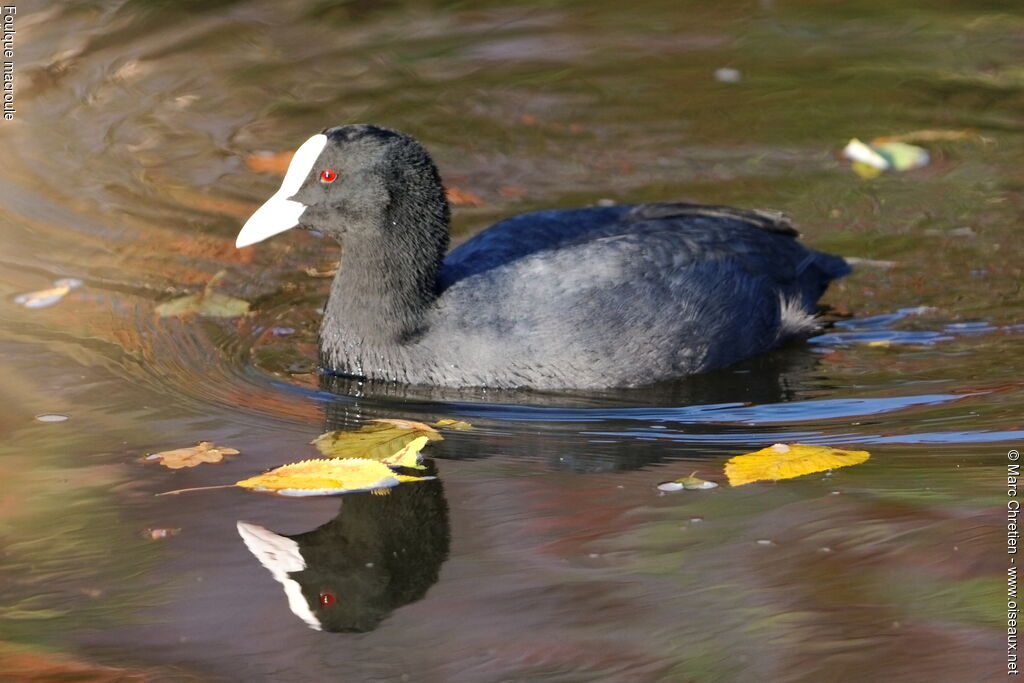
[[881, 343], [458, 425], [866, 171], [382, 439], [202, 452], [783, 461], [326, 477], [409, 455]]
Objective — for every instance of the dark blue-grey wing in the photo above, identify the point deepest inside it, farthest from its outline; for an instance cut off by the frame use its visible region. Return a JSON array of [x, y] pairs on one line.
[[525, 234], [763, 241]]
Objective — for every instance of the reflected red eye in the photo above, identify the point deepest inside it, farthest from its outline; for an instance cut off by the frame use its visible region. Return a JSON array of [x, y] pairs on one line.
[[327, 176], [327, 599]]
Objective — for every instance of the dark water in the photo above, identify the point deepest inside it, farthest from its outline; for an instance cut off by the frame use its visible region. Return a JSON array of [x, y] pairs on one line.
[[543, 551]]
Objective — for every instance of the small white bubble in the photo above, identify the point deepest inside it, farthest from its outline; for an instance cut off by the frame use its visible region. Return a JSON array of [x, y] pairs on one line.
[[764, 541], [51, 417]]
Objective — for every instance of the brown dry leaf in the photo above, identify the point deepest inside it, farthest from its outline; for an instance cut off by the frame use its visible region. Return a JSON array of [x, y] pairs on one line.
[[461, 197], [191, 456], [160, 533], [275, 163], [783, 461], [378, 441], [327, 271]]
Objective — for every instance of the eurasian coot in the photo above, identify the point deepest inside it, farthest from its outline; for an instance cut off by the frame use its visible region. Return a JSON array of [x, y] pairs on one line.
[[579, 298]]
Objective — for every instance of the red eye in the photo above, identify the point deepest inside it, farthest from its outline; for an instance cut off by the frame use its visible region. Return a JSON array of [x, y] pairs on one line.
[[327, 599], [327, 176]]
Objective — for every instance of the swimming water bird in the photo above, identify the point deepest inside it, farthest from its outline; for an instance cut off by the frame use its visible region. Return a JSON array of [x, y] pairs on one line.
[[595, 297]]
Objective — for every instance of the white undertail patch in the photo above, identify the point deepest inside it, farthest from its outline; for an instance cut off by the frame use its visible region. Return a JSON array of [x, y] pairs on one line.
[[793, 319]]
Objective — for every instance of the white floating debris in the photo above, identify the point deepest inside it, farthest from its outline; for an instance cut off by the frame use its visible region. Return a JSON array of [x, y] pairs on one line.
[[690, 483], [51, 417], [728, 75], [856, 150], [48, 297], [881, 155]]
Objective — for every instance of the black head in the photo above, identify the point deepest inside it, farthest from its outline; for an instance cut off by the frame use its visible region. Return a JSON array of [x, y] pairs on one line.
[[352, 179]]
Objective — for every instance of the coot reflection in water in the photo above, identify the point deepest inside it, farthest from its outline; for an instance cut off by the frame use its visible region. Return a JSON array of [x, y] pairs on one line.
[[383, 550]]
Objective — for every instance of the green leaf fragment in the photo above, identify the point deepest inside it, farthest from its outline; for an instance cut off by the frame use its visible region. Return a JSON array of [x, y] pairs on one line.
[[213, 305]]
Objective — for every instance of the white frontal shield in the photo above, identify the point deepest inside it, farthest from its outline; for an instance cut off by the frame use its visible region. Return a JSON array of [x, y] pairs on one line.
[[280, 213]]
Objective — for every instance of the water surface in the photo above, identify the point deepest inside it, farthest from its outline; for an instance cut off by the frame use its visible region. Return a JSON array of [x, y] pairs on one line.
[[543, 551]]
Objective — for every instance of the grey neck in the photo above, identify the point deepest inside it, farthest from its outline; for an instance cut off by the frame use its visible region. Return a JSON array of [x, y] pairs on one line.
[[385, 286]]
